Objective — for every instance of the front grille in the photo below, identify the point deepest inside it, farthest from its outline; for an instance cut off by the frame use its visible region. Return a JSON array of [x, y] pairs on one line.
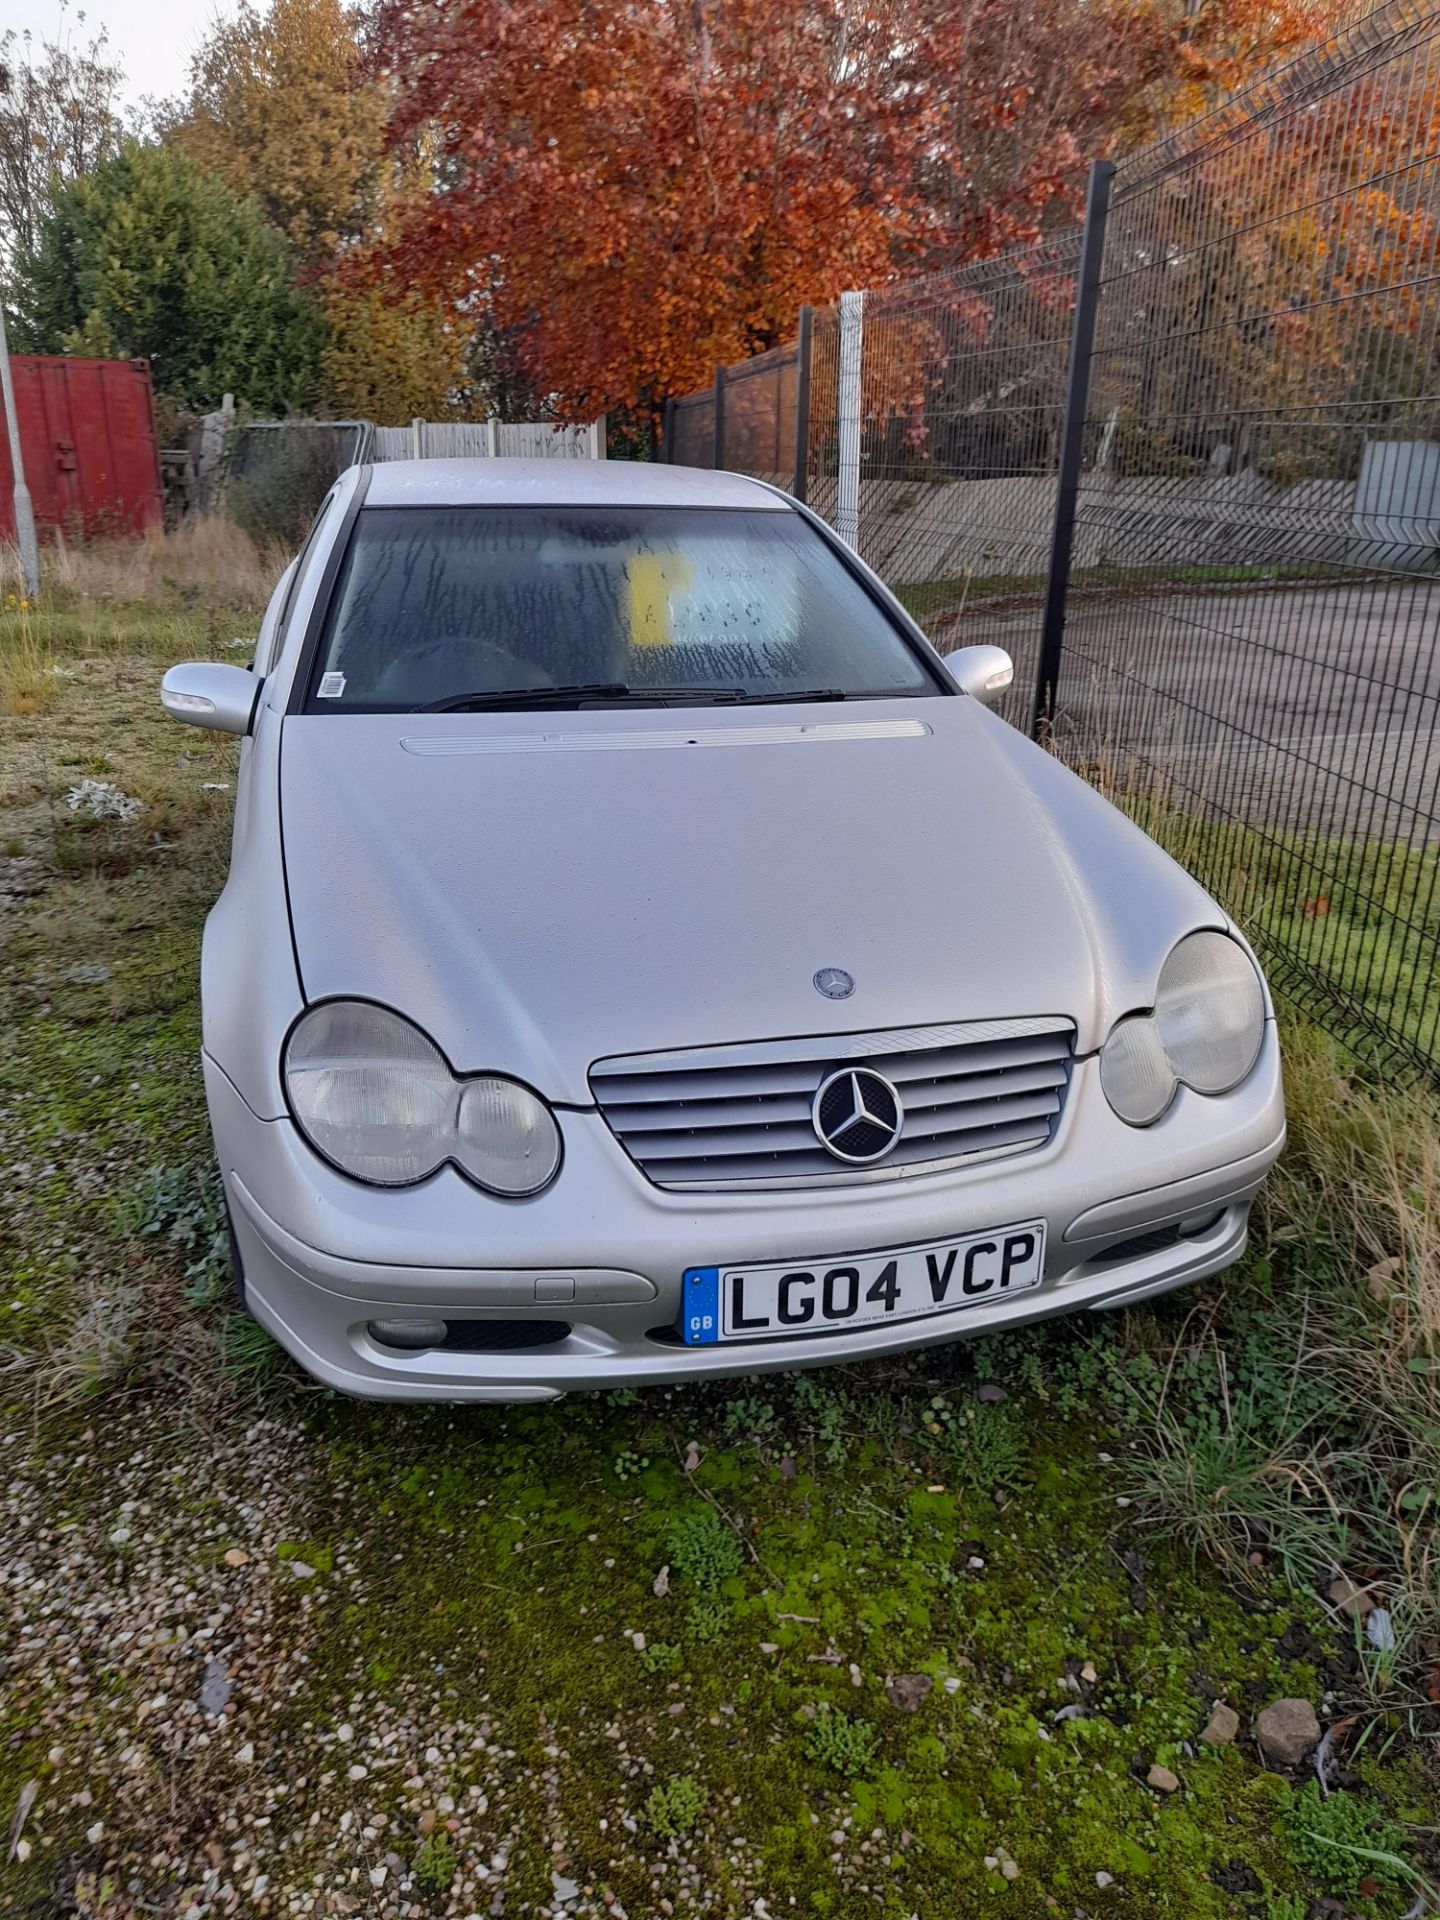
[[741, 1115]]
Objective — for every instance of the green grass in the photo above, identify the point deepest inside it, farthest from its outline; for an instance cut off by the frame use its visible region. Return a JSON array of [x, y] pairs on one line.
[[1153, 1504]]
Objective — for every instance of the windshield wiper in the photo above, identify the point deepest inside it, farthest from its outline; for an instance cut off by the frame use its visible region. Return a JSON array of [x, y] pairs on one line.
[[780, 698], [525, 697]]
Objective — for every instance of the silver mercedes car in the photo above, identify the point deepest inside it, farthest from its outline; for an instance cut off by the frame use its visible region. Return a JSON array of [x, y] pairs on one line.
[[643, 957]]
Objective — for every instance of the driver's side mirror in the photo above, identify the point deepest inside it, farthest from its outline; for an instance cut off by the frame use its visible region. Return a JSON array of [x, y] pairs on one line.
[[985, 672], [205, 693]]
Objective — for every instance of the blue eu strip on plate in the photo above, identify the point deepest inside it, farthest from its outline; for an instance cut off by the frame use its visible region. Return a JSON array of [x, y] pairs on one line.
[[700, 1308]]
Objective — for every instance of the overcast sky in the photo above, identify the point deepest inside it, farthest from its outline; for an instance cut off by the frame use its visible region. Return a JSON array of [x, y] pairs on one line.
[[152, 39]]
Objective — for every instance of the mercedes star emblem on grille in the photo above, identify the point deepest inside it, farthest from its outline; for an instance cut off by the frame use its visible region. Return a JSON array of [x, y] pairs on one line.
[[857, 1115], [835, 983]]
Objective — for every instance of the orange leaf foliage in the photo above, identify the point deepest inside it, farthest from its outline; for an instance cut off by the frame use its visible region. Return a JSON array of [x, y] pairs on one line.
[[631, 191]]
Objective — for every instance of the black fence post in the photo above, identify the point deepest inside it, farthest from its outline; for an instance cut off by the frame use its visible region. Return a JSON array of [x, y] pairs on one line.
[[804, 343], [1072, 443], [667, 434], [718, 457]]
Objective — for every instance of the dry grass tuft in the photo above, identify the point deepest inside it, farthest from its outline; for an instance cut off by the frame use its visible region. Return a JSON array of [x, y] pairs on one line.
[[210, 559], [27, 664], [1367, 1163], [1358, 1192]]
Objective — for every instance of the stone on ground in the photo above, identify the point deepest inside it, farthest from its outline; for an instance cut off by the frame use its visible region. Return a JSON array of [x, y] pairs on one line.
[[1222, 1727], [1286, 1731]]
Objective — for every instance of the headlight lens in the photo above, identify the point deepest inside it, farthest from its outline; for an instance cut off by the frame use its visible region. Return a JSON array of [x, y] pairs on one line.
[[1205, 1032], [507, 1137], [1210, 1012], [1138, 1080], [371, 1092], [377, 1098]]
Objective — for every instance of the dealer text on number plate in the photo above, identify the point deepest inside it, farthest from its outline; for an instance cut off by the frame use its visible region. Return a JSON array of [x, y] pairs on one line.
[[860, 1290]]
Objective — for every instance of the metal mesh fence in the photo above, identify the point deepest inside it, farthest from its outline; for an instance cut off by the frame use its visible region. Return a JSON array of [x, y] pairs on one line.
[[276, 473], [1252, 649], [1251, 599], [962, 384]]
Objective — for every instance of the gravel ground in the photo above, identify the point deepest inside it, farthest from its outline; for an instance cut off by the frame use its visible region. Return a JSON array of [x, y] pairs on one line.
[[164, 1635]]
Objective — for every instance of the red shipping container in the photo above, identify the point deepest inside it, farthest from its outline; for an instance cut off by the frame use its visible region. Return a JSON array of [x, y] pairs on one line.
[[87, 437]]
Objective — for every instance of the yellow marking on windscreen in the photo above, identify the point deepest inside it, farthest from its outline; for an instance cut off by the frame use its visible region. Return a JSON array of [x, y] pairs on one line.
[[650, 580]]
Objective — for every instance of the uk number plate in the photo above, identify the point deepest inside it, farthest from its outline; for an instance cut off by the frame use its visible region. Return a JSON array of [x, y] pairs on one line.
[[860, 1290]]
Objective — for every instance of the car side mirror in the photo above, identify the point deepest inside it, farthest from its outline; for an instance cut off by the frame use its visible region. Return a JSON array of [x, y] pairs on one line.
[[985, 672], [205, 693]]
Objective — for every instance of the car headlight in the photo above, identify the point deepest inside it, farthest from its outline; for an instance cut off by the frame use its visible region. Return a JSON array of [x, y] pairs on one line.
[[1205, 1031], [508, 1140], [378, 1099], [1138, 1080]]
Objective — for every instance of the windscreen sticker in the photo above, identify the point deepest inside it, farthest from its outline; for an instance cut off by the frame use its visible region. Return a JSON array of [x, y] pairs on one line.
[[332, 686], [653, 580]]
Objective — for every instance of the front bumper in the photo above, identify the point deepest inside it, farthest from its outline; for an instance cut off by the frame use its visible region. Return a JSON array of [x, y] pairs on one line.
[[602, 1252]]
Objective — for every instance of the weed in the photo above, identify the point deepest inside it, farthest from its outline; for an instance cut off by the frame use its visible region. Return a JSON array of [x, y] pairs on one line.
[[748, 1419], [183, 1208], [101, 800], [824, 1406], [209, 557], [1392, 1647], [1288, 1906], [841, 1742], [27, 665], [661, 1656], [1225, 1483], [704, 1550], [249, 1352], [674, 1808], [436, 1861], [99, 1347], [1068, 1368], [628, 1464], [1339, 1840], [708, 1619], [985, 1442]]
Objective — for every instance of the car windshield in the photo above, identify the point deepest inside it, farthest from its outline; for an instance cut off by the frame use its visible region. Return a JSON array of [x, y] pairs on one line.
[[455, 606]]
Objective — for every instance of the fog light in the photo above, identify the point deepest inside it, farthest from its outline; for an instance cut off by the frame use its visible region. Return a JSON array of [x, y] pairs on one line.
[[410, 1334], [1196, 1225]]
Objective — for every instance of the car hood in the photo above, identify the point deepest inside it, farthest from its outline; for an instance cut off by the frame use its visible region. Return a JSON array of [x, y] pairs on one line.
[[539, 891]]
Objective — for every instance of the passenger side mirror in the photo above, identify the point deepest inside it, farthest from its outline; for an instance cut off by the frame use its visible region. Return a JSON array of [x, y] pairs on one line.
[[203, 693], [985, 672]]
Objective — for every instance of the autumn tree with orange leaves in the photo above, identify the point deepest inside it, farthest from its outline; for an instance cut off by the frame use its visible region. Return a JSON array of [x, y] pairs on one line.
[[629, 191]]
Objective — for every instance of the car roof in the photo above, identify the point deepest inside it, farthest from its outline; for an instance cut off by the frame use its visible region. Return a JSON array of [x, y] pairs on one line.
[[571, 483]]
